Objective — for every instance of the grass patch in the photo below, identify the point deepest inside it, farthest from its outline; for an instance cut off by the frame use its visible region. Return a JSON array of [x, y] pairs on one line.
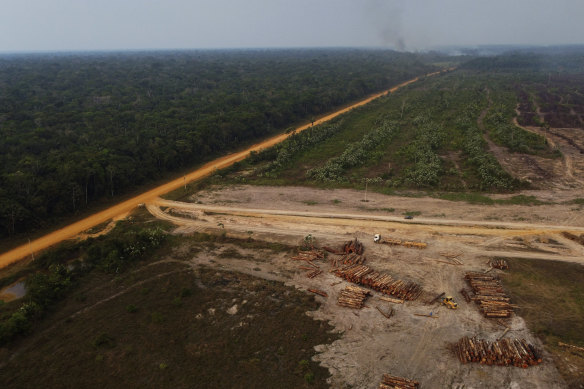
[[469, 197], [551, 297], [477, 198], [165, 345], [412, 213]]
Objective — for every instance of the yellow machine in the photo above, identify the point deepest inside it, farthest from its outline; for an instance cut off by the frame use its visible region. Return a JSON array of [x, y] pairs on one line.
[[449, 302]]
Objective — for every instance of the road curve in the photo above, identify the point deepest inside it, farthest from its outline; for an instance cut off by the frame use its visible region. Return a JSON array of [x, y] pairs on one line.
[[207, 169]]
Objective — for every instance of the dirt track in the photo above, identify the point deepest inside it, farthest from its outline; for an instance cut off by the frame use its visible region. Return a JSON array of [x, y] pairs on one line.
[[76, 228], [406, 345], [480, 238]]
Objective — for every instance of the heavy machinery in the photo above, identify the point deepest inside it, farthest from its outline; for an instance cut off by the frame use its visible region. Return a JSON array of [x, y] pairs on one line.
[[448, 301]]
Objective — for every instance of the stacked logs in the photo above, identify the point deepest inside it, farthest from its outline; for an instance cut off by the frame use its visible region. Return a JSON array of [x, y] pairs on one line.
[[353, 297], [313, 273], [381, 282], [392, 382], [349, 259], [499, 264], [405, 243], [418, 245], [504, 352], [310, 255], [489, 295], [353, 247]]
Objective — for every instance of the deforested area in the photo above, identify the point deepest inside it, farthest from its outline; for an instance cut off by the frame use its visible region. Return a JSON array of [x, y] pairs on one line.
[[330, 194]]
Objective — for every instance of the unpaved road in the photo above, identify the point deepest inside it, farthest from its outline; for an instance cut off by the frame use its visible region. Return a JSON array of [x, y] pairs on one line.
[[205, 170], [480, 238]]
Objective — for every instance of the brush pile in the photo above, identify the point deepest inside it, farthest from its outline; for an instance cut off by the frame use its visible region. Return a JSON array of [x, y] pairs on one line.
[[381, 282], [499, 264], [353, 297], [489, 295], [504, 352], [392, 382]]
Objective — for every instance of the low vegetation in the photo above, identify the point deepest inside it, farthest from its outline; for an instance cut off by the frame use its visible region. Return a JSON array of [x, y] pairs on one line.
[[551, 297], [171, 326], [58, 271]]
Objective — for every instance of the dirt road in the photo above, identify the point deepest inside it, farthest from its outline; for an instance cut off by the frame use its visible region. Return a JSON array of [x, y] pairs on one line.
[[478, 237], [205, 170]]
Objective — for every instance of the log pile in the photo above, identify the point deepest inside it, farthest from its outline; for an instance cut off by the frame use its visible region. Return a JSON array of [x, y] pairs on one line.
[[333, 251], [353, 247], [349, 259], [405, 243], [319, 292], [499, 264], [309, 256], [411, 243], [381, 282], [353, 297], [489, 295], [313, 273], [393, 382], [465, 294], [504, 352]]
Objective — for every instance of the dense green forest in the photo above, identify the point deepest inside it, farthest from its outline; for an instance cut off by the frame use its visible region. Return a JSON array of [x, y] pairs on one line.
[[75, 128]]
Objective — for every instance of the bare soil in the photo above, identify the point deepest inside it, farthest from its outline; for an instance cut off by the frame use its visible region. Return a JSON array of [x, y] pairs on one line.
[[405, 345]]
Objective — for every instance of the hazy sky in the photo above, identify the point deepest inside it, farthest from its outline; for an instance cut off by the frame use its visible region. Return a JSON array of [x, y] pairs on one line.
[[31, 25]]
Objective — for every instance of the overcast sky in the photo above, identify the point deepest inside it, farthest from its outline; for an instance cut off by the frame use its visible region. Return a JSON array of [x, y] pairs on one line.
[[62, 25]]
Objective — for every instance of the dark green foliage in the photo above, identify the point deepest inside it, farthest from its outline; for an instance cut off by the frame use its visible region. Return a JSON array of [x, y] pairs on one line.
[[77, 128], [54, 275]]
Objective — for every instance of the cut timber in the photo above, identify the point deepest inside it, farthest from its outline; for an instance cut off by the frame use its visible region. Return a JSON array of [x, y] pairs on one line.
[[405, 243], [391, 300], [437, 298], [489, 295], [503, 334], [465, 294], [392, 382], [387, 315], [381, 282], [313, 273], [499, 264], [503, 352], [353, 297], [333, 251], [353, 246], [571, 346], [319, 292]]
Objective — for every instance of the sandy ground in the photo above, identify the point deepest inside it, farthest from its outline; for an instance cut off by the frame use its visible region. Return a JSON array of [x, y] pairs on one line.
[[405, 345], [207, 169]]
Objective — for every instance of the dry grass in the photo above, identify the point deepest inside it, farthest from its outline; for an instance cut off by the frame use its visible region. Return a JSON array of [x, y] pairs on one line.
[[173, 331], [551, 297]]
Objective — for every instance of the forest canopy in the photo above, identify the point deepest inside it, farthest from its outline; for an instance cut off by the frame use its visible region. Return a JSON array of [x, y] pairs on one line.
[[75, 128]]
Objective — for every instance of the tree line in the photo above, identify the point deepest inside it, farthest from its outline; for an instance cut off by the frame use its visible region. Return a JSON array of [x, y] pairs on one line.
[[75, 128]]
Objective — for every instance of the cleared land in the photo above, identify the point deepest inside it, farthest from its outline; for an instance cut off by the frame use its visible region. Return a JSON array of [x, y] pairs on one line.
[[372, 344]]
